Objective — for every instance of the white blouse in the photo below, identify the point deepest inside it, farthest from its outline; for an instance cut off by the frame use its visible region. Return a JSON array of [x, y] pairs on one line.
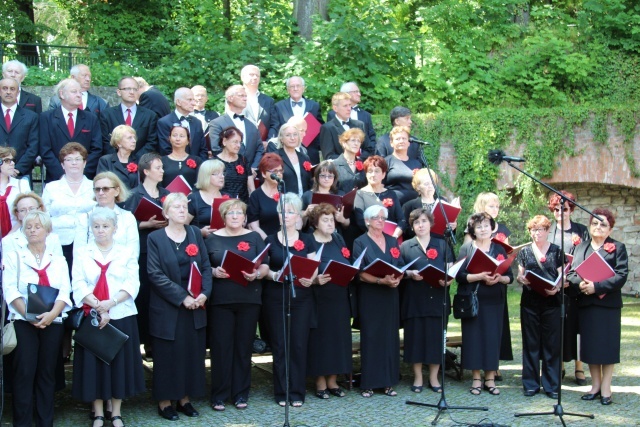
[[126, 232], [15, 287], [19, 186], [65, 207], [122, 275]]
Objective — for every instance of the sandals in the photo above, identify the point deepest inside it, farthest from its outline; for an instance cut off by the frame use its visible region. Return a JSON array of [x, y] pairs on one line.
[[115, 418], [282, 403], [98, 418], [322, 394], [435, 388], [389, 391], [580, 381], [366, 393], [218, 406], [416, 388], [297, 403], [337, 392], [241, 403], [475, 390], [492, 390]]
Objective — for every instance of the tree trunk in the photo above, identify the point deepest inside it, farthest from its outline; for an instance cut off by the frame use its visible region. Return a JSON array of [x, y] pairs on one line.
[[304, 11], [26, 34], [226, 4]]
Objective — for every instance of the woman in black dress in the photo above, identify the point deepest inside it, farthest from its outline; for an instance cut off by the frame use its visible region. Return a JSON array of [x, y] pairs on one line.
[[179, 162], [481, 335], [421, 305], [235, 306], [378, 306], [262, 216], [351, 172], [105, 279], [297, 165], [177, 322], [275, 298], [600, 305], [122, 162], [401, 166], [540, 314], [375, 194], [573, 234], [325, 180], [211, 180], [151, 172], [330, 340], [238, 178]]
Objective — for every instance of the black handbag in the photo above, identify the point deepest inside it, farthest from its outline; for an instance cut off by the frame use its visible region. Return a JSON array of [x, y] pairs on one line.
[[74, 319], [104, 343], [466, 306]]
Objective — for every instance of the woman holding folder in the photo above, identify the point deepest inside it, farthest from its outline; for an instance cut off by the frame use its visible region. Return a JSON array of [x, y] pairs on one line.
[[211, 180], [325, 181], [600, 304], [234, 305], [179, 162], [105, 279], [421, 306], [540, 310], [177, 256]]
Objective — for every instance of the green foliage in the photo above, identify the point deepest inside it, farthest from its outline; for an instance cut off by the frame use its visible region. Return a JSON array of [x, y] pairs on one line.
[[616, 22]]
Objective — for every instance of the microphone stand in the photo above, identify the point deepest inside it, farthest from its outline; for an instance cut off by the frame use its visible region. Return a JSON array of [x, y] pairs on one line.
[[449, 236], [558, 410]]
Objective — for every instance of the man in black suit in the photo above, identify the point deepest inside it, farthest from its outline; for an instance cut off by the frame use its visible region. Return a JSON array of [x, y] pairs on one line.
[[18, 128], [185, 104], [296, 105], [200, 112], [90, 102], [68, 123], [330, 132], [236, 102], [358, 113], [259, 105], [143, 120], [150, 97], [400, 116], [15, 69]]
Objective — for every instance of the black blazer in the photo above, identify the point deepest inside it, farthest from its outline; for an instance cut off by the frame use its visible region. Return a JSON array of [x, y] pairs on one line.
[[197, 147], [95, 104], [289, 176], [265, 110], [145, 123], [610, 288], [252, 149], [330, 138], [111, 163], [369, 144], [23, 137], [54, 135], [155, 101], [30, 101], [164, 275]]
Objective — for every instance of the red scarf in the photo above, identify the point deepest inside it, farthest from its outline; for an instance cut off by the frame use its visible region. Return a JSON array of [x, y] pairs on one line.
[[43, 279], [5, 216], [101, 291]]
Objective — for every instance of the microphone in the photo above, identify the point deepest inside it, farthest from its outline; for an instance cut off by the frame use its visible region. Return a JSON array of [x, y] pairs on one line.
[[275, 177], [498, 156], [418, 141]]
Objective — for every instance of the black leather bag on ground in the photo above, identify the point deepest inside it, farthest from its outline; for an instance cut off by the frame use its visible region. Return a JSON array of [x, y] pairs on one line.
[[466, 306]]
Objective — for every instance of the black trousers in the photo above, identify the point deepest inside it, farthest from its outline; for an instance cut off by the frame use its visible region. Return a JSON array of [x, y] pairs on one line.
[[540, 342], [34, 366], [231, 333]]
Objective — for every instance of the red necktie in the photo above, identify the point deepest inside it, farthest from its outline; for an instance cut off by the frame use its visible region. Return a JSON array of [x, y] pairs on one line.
[[70, 125], [7, 120], [127, 121], [43, 279], [101, 291], [5, 217], [81, 107]]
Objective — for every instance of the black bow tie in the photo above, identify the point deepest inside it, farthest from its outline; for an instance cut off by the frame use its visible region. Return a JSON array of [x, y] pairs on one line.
[[183, 118], [294, 103], [238, 116], [346, 123], [199, 112], [356, 108]]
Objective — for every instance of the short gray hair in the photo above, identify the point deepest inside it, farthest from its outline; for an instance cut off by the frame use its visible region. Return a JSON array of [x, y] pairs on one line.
[[345, 86], [63, 85], [103, 214], [374, 210], [43, 217], [296, 77], [6, 65], [293, 200]]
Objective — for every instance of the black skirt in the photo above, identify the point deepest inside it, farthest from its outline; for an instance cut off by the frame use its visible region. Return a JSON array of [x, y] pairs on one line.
[[423, 340], [481, 337], [600, 331]]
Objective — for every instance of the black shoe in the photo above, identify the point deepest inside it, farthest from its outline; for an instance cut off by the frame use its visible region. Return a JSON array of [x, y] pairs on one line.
[[552, 395], [606, 400], [590, 396], [168, 413], [580, 381], [498, 376], [529, 393], [187, 409]]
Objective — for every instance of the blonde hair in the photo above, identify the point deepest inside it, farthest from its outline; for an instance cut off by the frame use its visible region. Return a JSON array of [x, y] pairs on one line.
[[119, 132], [423, 175], [483, 199], [123, 192], [207, 168]]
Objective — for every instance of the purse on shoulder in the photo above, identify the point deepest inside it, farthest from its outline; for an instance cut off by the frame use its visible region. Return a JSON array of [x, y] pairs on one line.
[[466, 306]]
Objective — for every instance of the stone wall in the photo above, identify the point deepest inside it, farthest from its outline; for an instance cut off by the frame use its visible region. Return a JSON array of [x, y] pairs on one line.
[[46, 92]]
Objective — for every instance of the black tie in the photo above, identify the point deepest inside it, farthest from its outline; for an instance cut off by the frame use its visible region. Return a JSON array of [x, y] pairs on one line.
[[355, 108], [346, 123], [238, 116], [294, 103], [183, 118]]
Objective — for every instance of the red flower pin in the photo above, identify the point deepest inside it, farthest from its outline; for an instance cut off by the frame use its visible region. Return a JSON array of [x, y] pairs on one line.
[[162, 199], [543, 258], [243, 246], [276, 196], [359, 165], [298, 245], [395, 252], [609, 247], [576, 240], [307, 166], [432, 253], [387, 202], [191, 249], [240, 169], [346, 253], [500, 257], [132, 167], [192, 163], [501, 237]]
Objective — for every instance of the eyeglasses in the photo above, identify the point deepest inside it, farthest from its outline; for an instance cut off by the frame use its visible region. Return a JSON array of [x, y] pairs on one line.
[[296, 86], [128, 89], [74, 159], [102, 189], [326, 176], [94, 317], [8, 160], [232, 213], [538, 230], [27, 210], [378, 218], [277, 171], [596, 224], [290, 135], [558, 209]]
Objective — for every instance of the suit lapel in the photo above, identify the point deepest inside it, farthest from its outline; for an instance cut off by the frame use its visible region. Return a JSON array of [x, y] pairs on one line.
[[62, 123], [285, 159], [18, 116]]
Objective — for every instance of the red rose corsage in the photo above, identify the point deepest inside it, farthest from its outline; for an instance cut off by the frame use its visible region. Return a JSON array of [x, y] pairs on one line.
[[346, 253], [298, 245], [276, 197], [387, 202], [500, 257], [359, 165], [240, 169], [243, 246], [395, 252], [192, 163], [609, 247], [307, 166], [576, 240], [191, 249], [432, 253], [132, 167], [543, 258], [501, 237], [162, 199]]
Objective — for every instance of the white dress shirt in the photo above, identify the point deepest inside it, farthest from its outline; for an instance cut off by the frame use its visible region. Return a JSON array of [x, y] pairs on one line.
[[65, 207], [240, 125], [126, 232]]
